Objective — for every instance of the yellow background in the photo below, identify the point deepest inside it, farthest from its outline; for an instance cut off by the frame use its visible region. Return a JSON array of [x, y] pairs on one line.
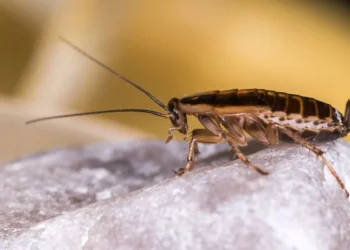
[[171, 48]]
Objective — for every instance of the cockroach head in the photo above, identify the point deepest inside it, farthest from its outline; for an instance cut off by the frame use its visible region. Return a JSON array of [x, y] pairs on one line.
[[346, 119], [177, 117]]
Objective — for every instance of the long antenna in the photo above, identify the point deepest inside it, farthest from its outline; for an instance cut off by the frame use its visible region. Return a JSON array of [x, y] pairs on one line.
[[100, 112], [113, 71]]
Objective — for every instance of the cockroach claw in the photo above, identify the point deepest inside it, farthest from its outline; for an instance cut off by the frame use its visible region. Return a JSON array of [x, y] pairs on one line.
[[180, 171]]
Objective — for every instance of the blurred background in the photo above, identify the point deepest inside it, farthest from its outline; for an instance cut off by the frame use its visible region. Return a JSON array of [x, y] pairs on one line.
[[171, 48]]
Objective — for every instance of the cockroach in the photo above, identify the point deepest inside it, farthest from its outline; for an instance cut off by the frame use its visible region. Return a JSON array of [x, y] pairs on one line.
[[267, 116]]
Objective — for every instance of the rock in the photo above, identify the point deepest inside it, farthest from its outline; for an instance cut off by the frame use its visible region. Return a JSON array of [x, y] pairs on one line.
[[125, 196]]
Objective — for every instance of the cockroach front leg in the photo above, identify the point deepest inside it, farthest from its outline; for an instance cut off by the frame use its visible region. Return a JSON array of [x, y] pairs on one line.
[[198, 136], [171, 134], [316, 150]]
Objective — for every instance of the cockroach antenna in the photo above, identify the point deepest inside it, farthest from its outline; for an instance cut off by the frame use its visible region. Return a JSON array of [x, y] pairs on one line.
[[100, 112], [112, 71], [115, 73]]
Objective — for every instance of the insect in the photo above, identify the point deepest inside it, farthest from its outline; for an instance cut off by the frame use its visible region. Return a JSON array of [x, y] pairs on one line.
[[265, 115]]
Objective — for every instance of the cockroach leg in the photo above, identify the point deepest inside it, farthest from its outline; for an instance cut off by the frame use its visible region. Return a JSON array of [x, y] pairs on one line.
[[205, 136], [318, 153], [272, 134], [234, 139], [192, 157], [171, 134], [245, 160], [198, 136]]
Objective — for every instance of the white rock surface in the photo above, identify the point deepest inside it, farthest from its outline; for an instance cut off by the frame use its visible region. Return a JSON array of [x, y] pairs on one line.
[[124, 196]]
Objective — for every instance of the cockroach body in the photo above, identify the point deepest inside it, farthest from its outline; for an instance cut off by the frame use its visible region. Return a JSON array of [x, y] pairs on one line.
[[313, 120], [265, 115]]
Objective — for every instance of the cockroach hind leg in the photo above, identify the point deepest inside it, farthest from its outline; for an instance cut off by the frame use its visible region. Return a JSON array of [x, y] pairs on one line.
[[334, 173], [316, 151]]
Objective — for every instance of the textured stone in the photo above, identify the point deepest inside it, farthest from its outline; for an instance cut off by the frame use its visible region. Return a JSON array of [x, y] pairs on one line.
[[125, 196]]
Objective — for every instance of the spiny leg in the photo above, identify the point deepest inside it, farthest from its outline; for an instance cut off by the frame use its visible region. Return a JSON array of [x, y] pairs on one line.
[[198, 136], [236, 137], [214, 134], [192, 157], [205, 136], [317, 151], [243, 158]]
